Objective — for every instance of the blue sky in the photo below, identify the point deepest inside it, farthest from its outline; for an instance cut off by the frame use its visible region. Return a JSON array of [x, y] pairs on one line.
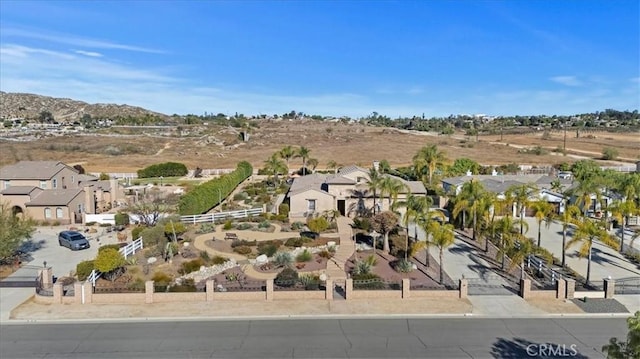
[[398, 58]]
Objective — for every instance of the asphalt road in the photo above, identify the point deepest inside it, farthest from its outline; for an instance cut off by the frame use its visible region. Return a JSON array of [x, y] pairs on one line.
[[321, 338]]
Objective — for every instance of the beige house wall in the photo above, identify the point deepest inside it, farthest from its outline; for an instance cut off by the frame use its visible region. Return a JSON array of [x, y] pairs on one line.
[[68, 217], [16, 200], [65, 179], [298, 205]]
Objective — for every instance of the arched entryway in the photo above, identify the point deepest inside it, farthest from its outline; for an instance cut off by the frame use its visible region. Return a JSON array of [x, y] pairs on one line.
[[17, 211]]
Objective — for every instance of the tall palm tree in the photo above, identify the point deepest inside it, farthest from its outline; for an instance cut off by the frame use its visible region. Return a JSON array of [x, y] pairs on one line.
[[313, 162], [506, 229], [542, 211], [332, 165], [393, 187], [469, 200], [442, 237], [584, 191], [620, 211], [522, 194], [428, 159], [303, 153], [287, 153], [274, 166], [487, 214], [374, 185], [567, 218], [586, 232], [415, 206]]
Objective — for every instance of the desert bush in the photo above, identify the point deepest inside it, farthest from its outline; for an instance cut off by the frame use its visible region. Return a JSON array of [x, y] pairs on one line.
[[217, 260], [244, 226], [109, 262], [108, 246], [362, 223], [206, 228], [281, 218], [171, 227], [227, 225], [122, 219], [267, 248], [283, 209], [403, 266], [187, 285], [264, 224], [609, 154], [137, 284], [294, 242], [153, 236], [361, 268], [244, 250], [319, 224], [296, 226], [243, 242], [309, 281], [305, 256], [161, 278], [325, 254], [191, 266], [135, 233], [282, 259], [286, 278], [83, 269], [240, 196]]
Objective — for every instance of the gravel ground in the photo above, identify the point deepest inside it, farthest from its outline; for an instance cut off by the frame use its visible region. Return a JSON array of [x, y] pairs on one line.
[[600, 305]]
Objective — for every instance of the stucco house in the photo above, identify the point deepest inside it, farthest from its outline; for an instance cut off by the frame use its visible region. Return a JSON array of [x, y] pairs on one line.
[[344, 191], [53, 191]]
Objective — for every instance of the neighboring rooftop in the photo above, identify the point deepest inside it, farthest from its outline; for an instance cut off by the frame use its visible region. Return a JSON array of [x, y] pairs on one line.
[[31, 170], [60, 197], [19, 190], [500, 183]]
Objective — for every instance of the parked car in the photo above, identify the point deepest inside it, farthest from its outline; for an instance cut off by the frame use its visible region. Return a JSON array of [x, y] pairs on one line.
[[73, 240]]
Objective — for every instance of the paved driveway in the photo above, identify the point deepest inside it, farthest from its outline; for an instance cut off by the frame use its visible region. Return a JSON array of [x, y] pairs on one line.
[[605, 261]]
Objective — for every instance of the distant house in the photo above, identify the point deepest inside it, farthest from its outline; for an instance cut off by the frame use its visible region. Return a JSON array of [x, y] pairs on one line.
[[53, 191], [345, 191]]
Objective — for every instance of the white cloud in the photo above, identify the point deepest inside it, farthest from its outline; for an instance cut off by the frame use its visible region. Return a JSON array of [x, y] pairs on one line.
[[567, 80], [74, 40], [88, 53]]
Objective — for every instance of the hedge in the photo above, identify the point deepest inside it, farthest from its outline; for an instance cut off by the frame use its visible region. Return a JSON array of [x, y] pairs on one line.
[[209, 194], [167, 169]]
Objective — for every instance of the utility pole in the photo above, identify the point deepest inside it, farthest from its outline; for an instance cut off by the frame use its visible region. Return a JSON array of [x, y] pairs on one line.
[[564, 146]]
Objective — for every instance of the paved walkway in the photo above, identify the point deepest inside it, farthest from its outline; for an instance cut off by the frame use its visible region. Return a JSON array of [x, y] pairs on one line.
[[605, 261], [346, 249]]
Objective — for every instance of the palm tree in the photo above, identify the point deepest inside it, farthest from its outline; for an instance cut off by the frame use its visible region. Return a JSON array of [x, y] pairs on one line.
[[620, 211], [584, 192], [487, 211], [442, 237], [469, 200], [428, 159], [332, 165], [542, 211], [384, 223], [287, 153], [313, 162], [415, 206], [567, 217], [374, 184], [522, 194], [274, 166], [508, 234], [303, 153], [586, 232], [391, 186]]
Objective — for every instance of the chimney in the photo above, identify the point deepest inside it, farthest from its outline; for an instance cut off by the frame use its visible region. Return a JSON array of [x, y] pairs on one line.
[[376, 165]]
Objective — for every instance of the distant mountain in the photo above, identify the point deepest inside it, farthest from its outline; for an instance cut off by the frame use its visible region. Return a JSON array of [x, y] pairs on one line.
[[30, 106]]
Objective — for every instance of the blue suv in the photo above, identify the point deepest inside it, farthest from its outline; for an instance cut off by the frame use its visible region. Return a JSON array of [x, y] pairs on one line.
[[73, 240]]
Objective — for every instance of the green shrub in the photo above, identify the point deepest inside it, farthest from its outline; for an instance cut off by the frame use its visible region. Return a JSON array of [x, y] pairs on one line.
[[227, 225], [309, 281], [305, 256], [268, 248], [264, 224], [135, 233], [243, 242], [122, 219], [152, 236], [403, 266], [609, 153], [294, 242], [244, 226], [362, 223], [286, 278], [281, 218], [209, 194], [83, 269], [283, 209], [282, 259], [137, 284], [296, 226], [187, 285], [325, 254], [191, 266], [167, 169], [161, 278], [206, 228], [319, 224], [109, 261], [244, 250], [217, 260], [240, 196], [108, 246]]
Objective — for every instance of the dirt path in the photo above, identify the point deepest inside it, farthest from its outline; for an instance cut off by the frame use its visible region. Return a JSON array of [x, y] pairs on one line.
[[166, 147]]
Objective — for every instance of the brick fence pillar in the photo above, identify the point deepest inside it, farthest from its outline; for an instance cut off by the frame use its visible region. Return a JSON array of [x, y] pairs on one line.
[[406, 288], [269, 290], [148, 292], [328, 290], [57, 293], [525, 288], [561, 289], [348, 288], [209, 287], [609, 287], [463, 288], [77, 293], [47, 276], [571, 288]]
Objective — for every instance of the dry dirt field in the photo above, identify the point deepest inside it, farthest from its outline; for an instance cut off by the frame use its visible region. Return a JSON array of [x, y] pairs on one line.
[[219, 147]]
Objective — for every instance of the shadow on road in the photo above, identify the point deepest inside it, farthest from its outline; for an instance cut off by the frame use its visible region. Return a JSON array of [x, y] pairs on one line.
[[518, 348], [28, 247]]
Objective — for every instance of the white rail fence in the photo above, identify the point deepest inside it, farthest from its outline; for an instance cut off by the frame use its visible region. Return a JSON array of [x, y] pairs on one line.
[[221, 216], [126, 251]]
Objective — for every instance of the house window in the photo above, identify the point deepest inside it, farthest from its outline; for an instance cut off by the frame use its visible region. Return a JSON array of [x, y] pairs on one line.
[[47, 212], [7, 184], [54, 183], [80, 207], [59, 212], [311, 205], [360, 179], [73, 179], [43, 184]]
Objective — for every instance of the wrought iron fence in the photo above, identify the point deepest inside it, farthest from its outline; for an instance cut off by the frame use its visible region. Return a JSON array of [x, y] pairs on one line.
[[240, 286], [119, 289], [298, 285], [376, 284], [630, 285], [423, 286]]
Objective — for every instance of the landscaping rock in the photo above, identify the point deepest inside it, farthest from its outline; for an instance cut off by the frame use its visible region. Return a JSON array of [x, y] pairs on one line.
[[331, 243], [151, 260], [186, 244], [262, 259]]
